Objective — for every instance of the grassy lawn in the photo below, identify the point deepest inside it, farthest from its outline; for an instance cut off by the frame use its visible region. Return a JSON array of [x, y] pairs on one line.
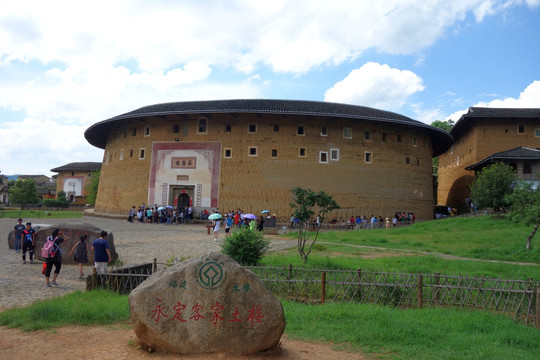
[[39, 214], [377, 331], [408, 249]]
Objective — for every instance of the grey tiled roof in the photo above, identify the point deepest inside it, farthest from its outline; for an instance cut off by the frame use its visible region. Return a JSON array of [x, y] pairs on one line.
[[468, 119], [97, 133], [79, 166], [518, 153]]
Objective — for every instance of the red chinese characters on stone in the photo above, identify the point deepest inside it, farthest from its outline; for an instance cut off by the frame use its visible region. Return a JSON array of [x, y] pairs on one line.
[[158, 311], [253, 316]]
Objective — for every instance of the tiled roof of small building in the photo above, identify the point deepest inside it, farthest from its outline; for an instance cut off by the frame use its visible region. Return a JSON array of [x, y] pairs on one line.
[[97, 133], [79, 166], [518, 153]]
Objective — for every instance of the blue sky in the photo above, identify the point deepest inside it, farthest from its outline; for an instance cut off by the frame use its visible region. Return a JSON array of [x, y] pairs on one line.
[[66, 65]]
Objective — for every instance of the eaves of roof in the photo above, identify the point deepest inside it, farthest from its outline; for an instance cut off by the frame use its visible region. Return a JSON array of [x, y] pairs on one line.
[[97, 133]]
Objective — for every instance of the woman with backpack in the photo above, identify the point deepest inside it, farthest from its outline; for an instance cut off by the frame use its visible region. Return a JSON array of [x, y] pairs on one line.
[[54, 257], [81, 253]]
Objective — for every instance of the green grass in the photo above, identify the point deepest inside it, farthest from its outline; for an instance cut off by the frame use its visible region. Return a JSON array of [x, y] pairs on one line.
[[408, 249], [376, 331], [39, 214], [413, 334], [79, 308]]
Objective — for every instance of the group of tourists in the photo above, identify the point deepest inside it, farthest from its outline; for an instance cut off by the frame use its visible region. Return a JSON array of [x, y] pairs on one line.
[[236, 219], [160, 214], [25, 241], [360, 222]]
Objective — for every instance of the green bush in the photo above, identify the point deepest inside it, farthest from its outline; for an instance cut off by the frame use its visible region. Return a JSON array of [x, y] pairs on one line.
[[52, 203], [245, 246]]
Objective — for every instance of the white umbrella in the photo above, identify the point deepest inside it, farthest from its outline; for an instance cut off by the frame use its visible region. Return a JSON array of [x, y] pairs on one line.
[[250, 216], [215, 216]]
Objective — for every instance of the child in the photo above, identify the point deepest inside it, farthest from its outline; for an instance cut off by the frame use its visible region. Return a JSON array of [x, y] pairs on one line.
[[81, 254]]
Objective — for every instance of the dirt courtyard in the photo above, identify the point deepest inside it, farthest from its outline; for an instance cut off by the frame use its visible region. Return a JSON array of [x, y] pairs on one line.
[[120, 343]]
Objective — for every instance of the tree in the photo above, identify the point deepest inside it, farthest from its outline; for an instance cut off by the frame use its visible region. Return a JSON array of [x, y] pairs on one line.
[[246, 246], [93, 187], [23, 191], [306, 204], [525, 207], [491, 186]]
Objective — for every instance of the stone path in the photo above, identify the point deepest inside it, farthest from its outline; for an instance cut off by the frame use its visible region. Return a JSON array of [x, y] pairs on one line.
[[135, 243]]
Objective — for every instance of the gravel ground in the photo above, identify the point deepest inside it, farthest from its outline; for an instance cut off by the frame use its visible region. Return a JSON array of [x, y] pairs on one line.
[[135, 243]]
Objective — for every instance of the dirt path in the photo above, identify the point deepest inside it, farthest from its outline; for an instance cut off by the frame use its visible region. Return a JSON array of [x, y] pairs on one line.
[[418, 252], [120, 343]]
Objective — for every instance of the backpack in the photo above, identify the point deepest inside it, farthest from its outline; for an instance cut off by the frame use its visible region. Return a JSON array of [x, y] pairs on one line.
[[48, 251]]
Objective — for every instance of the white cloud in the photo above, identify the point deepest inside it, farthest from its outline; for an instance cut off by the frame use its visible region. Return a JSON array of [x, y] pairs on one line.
[[376, 85], [528, 98]]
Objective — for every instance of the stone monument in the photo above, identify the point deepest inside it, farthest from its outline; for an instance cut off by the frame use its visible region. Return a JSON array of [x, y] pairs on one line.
[[204, 306]]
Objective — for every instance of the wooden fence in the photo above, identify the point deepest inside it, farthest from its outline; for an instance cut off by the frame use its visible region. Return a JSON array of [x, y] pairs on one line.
[[517, 299]]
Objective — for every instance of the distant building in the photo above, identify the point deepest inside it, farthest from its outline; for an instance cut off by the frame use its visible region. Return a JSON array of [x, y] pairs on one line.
[[480, 136], [45, 186], [248, 154], [4, 193], [74, 178]]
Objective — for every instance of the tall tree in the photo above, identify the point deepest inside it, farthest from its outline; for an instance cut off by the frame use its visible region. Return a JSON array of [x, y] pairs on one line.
[[23, 191], [525, 207], [306, 204], [491, 186], [93, 187]]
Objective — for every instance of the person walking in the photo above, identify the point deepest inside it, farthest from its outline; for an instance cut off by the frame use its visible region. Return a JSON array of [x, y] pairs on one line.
[[81, 253], [102, 253], [217, 225], [58, 237], [28, 242], [18, 229]]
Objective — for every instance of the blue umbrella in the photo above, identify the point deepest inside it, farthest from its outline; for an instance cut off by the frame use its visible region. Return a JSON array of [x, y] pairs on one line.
[[265, 211], [250, 216]]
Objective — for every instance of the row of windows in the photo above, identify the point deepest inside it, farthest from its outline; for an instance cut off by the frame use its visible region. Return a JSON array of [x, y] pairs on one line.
[[521, 130], [324, 156], [202, 129]]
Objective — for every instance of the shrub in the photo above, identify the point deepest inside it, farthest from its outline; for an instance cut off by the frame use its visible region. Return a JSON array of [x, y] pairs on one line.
[[245, 246]]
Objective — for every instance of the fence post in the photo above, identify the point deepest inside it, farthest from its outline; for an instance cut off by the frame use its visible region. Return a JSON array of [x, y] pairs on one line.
[[437, 289], [94, 278], [323, 287], [537, 320], [155, 266], [290, 271], [419, 290]]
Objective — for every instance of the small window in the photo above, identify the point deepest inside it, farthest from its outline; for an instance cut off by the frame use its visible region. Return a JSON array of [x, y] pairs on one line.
[[384, 136], [323, 157], [176, 129], [130, 153], [302, 152], [122, 154], [300, 130], [133, 132], [73, 173], [334, 154], [527, 168], [347, 133], [276, 128], [228, 153], [89, 175], [407, 160], [147, 131], [367, 135], [537, 132], [324, 131], [521, 129], [228, 128], [252, 151], [141, 154], [368, 158], [274, 153], [414, 142], [107, 158], [202, 128], [252, 128], [399, 138]]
